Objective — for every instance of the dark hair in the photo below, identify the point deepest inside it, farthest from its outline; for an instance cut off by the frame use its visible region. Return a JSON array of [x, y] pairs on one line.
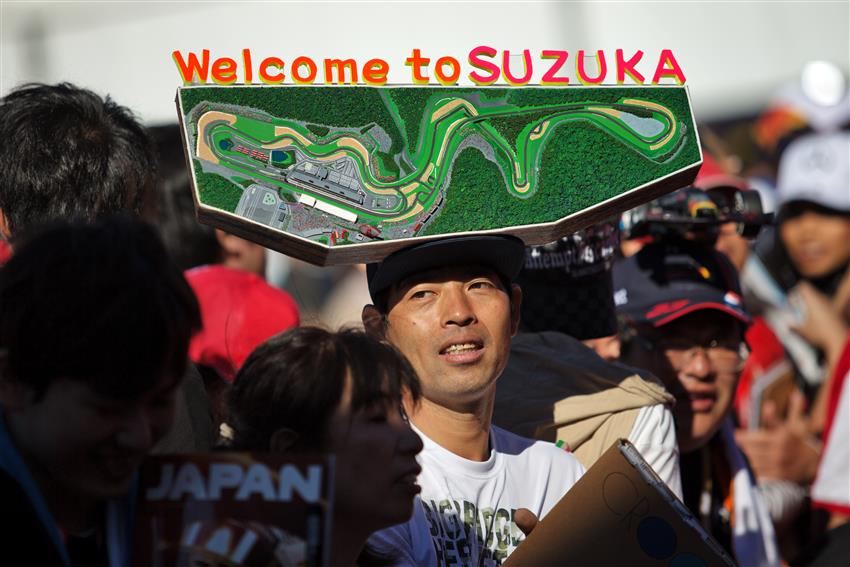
[[66, 152], [99, 303], [189, 242], [295, 380]]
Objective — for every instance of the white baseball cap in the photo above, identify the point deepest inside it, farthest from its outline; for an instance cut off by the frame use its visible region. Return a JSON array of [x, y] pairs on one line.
[[816, 168]]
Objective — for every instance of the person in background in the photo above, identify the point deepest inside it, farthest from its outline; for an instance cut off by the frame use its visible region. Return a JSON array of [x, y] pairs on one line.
[[238, 308], [77, 155], [95, 324], [71, 154], [189, 243], [239, 311], [812, 245], [766, 396], [830, 490], [687, 327], [556, 388], [450, 306], [803, 291], [310, 390]]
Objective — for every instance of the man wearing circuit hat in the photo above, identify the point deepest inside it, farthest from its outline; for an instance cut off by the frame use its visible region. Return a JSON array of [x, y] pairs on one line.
[[687, 325], [451, 307], [556, 388]]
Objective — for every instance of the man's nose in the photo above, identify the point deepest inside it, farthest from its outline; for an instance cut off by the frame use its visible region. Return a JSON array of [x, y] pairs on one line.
[[456, 307], [697, 364]]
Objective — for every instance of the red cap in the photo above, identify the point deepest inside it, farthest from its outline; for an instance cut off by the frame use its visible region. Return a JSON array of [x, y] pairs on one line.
[[712, 175], [5, 252], [239, 311]]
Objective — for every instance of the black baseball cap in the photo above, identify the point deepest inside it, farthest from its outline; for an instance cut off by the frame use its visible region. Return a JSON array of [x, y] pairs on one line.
[[566, 284], [662, 282], [504, 253]]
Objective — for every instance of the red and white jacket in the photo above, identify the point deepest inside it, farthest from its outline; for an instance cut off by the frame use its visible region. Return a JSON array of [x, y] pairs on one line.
[[831, 489]]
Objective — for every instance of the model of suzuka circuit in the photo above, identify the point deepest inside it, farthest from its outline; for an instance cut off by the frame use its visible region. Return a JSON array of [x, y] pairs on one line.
[[341, 174]]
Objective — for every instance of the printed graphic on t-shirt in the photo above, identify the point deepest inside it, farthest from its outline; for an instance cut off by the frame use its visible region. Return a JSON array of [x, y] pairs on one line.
[[466, 535]]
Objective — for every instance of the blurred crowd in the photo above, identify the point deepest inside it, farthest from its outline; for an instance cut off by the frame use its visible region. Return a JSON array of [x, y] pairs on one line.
[[456, 380]]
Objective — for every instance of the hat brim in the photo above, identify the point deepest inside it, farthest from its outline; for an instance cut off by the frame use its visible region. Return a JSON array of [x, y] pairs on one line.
[[505, 254], [671, 316]]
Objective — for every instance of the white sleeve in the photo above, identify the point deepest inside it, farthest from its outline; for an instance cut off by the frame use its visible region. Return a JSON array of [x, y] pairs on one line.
[[654, 435], [408, 544]]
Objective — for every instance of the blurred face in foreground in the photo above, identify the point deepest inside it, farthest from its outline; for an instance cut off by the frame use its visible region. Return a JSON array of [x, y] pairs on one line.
[[454, 325], [376, 466], [817, 239], [81, 444], [699, 359]]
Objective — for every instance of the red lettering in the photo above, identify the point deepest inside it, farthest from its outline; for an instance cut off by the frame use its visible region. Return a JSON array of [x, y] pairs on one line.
[[375, 72], [224, 71], [668, 307], [415, 62], [560, 58], [628, 66], [506, 68], [582, 75], [271, 79], [666, 60], [451, 78], [476, 61], [341, 66], [189, 70], [299, 62], [246, 61]]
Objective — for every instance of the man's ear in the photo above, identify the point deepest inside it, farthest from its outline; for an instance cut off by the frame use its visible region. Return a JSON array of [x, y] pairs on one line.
[[516, 305], [283, 440], [373, 321], [13, 394], [5, 232]]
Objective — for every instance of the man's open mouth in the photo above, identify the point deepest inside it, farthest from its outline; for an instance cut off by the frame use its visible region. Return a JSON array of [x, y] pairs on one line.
[[460, 348]]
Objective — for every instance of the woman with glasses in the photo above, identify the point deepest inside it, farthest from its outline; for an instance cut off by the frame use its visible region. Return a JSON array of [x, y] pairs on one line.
[[686, 324]]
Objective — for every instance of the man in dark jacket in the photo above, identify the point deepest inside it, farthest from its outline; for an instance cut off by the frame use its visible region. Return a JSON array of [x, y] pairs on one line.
[[95, 324], [72, 154], [687, 325]]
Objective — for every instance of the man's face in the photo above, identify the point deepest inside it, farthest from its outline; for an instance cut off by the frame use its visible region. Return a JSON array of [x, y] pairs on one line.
[[86, 444], [817, 243], [454, 325], [698, 359]]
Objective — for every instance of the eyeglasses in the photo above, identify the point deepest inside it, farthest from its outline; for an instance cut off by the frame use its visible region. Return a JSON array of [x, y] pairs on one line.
[[724, 356]]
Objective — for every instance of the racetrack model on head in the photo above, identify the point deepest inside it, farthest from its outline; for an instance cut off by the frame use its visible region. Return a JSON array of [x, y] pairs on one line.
[[350, 174]]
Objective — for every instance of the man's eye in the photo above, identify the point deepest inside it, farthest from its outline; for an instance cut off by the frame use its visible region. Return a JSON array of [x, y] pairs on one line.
[[421, 294], [481, 285]]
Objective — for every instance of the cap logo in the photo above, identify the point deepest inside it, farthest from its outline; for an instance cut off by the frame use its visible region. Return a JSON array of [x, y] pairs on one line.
[[732, 298], [665, 308], [621, 297]]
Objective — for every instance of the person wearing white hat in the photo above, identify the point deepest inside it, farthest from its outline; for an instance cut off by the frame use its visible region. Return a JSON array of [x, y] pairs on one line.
[[809, 270], [814, 227], [814, 215]]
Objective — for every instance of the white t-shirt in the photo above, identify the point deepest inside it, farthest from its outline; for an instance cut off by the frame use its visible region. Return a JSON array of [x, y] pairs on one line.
[[467, 507], [654, 436]]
